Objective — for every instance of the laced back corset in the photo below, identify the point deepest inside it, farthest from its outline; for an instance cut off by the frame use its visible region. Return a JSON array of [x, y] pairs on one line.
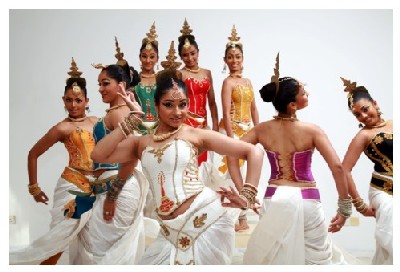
[[197, 96], [295, 166], [380, 152], [172, 172], [99, 131], [80, 144]]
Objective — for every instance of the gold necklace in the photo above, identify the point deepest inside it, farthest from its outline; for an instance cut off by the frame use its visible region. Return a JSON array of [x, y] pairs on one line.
[[162, 137], [77, 119], [147, 76], [115, 107], [286, 117], [194, 71], [382, 124], [235, 75]]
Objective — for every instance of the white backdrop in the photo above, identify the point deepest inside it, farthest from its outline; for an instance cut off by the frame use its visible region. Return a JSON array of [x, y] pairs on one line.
[[316, 46]]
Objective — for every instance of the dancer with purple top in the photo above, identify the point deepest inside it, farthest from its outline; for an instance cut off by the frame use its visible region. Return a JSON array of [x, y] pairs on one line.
[[292, 228]]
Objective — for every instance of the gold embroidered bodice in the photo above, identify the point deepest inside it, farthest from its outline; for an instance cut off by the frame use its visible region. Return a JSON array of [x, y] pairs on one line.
[[172, 171], [80, 144]]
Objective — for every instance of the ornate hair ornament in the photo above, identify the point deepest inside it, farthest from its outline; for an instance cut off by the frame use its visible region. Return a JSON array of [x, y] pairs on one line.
[[175, 94], [186, 31], [119, 55], [233, 39], [275, 77], [350, 87], [151, 37], [74, 73], [171, 63]]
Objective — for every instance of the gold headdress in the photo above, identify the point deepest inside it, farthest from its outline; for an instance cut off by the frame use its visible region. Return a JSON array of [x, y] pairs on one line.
[[75, 73], [171, 63], [170, 66], [186, 31], [119, 55], [151, 37], [350, 87], [233, 39], [275, 77]]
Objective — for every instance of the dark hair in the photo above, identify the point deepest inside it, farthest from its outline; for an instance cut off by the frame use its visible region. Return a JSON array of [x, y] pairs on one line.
[[154, 46], [288, 89], [359, 93], [182, 39], [240, 46], [80, 81], [121, 73], [165, 81]]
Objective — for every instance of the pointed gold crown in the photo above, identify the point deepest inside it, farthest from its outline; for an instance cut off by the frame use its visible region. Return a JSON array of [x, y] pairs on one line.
[[171, 63], [75, 73], [119, 55], [233, 39], [186, 33], [350, 87], [151, 37], [275, 76]]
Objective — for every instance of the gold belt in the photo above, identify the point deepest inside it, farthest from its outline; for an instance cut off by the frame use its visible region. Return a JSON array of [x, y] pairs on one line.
[[77, 178]]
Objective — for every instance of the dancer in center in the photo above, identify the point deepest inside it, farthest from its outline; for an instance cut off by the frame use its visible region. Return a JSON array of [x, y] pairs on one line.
[[195, 228]]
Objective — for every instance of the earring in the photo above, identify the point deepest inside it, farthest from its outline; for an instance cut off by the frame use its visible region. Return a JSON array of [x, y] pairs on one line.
[[158, 67], [224, 69], [360, 125], [379, 111], [87, 109]]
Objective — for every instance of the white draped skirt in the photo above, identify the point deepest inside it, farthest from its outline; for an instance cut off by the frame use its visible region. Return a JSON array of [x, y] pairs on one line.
[[382, 202], [122, 241], [204, 234], [291, 230], [62, 230]]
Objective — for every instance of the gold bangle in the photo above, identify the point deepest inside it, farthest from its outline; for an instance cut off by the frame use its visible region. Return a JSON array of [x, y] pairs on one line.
[[34, 189]]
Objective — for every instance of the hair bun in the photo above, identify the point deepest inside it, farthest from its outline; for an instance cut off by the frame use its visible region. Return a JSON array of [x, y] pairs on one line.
[[267, 92]]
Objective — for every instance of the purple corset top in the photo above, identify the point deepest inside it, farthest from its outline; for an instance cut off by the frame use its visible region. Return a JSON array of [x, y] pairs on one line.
[[295, 166]]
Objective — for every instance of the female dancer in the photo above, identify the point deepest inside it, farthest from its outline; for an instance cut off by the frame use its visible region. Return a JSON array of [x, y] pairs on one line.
[[76, 132], [195, 227], [199, 84], [292, 229], [375, 139], [238, 104], [144, 91], [119, 240]]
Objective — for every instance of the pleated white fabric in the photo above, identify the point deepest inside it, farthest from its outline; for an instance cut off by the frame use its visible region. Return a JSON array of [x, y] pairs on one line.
[[290, 231], [212, 246], [121, 241], [383, 204], [62, 231]]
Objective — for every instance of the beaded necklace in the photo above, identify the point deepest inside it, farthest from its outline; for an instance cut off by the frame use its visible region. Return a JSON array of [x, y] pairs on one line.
[[162, 137], [77, 119], [286, 117], [194, 71], [235, 75], [147, 76]]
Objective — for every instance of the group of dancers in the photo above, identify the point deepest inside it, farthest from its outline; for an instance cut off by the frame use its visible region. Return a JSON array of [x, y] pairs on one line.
[[156, 156]]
